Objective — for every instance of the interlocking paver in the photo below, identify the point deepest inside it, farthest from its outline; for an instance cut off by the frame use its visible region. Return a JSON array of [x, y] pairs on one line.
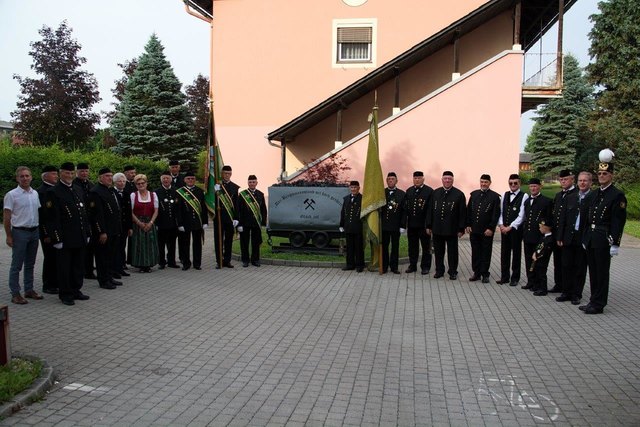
[[283, 345]]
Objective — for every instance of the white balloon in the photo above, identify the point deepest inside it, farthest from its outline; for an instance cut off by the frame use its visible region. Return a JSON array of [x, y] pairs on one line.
[[606, 155]]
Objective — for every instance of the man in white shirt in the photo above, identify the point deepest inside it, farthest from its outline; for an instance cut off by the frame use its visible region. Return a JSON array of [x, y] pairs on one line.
[[21, 226], [509, 223]]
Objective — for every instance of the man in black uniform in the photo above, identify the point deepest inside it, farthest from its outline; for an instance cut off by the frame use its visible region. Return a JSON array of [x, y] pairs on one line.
[[393, 216], [606, 217], [83, 185], [483, 212], [104, 215], [49, 270], [417, 204], [252, 215], [560, 203], [446, 223], [192, 219], [227, 221], [585, 198], [351, 226], [126, 224], [69, 229], [537, 210], [130, 173], [177, 179], [167, 221], [510, 224]]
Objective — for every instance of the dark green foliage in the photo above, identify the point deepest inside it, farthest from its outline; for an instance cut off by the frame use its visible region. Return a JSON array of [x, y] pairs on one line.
[[615, 50], [632, 191], [198, 104], [559, 136], [153, 120], [56, 107]]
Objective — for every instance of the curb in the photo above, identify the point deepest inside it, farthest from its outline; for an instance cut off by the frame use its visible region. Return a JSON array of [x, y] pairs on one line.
[[297, 263], [36, 390]]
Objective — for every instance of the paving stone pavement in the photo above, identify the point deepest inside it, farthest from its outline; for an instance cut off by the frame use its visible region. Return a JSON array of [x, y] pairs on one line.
[[297, 346]]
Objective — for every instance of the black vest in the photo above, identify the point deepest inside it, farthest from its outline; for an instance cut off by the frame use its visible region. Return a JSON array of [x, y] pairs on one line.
[[509, 214]]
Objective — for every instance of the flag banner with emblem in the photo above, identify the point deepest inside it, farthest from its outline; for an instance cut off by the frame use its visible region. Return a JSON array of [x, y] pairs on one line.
[[213, 169], [373, 197]]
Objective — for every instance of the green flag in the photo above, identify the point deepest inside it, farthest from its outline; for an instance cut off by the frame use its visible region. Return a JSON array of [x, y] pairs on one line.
[[373, 196], [213, 171]]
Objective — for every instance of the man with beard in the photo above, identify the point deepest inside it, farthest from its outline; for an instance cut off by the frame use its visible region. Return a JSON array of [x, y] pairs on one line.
[[417, 204], [225, 223], [166, 222], [192, 219], [393, 218], [252, 216]]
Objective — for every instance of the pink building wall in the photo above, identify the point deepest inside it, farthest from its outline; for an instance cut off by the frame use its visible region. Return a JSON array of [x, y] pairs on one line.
[[472, 110]]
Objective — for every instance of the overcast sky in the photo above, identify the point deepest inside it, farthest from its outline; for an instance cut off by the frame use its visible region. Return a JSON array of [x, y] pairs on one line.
[[112, 31]]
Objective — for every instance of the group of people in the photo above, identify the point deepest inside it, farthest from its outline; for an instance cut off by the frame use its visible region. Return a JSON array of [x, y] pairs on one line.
[[581, 228], [117, 222]]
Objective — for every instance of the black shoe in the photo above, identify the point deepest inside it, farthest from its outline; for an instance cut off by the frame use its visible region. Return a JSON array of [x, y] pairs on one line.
[[81, 297], [563, 298], [583, 307], [359, 269], [116, 276], [173, 266], [395, 271], [161, 267], [486, 280], [424, 271], [217, 267], [540, 293], [555, 290], [116, 283], [91, 276], [108, 286], [186, 267], [474, 278], [124, 274], [411, 269], [527, 286], [245, 264], [68, 301], [575, 301], [514, 283], [347, 268], [438, 275], [50, 291], [593, 310], [228, 265], [256, 263], [453, 276], [502, 281], [198, 268]]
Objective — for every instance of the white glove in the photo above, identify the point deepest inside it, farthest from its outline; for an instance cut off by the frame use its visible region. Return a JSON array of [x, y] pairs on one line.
[[217, 187], [614, 250], [584, 246], [88, 238], [341, 229], [181, 228], [205, 225], [58, 246], [403, 230], [240, 229], [235, 223]]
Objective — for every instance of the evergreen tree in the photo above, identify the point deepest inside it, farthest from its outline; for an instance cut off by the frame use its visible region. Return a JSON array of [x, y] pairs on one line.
[[198, 104], [558, 137], [128, 67], [56, 108], [153, 120], [615, 50]]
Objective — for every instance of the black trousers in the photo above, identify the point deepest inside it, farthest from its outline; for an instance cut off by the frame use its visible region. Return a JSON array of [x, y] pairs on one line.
[[167, 246], [115, 264], [227, 242], [89, 255], [49, 266], [418, 237], [557, 266], [184, 241], [599, 261], [251, 235], [355, 250], [391, 238], [481, 248], [529, 249], [450, 243], [510, 256], [539, 274], [105, 253], [570, 266], [70, 271], [581, 271], [121, 253]]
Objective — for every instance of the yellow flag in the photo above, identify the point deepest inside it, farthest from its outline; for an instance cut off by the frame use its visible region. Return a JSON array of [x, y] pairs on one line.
[[373, 196]]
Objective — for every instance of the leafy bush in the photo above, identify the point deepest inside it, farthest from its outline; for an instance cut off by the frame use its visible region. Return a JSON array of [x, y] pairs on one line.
[[632, 191]]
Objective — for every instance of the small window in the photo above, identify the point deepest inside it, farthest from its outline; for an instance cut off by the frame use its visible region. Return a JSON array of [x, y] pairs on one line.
[[354, 43]]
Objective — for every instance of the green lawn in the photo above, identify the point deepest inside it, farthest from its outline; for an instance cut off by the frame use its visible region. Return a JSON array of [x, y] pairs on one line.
[[632, 227], [17, 376]]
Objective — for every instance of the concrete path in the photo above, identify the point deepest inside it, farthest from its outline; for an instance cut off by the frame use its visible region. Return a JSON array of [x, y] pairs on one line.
[[293, 346]]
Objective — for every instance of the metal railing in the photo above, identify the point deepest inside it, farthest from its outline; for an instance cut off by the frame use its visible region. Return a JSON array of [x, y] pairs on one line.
[[540, 70]]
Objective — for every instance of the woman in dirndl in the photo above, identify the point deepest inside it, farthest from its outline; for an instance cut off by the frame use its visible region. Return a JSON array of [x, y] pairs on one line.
[[144, 241]]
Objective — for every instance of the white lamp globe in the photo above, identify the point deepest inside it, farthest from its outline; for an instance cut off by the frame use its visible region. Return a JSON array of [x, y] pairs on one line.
[[606, 155]]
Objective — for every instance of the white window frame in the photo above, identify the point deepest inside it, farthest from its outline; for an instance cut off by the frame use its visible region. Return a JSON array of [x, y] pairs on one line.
[[372, 23]]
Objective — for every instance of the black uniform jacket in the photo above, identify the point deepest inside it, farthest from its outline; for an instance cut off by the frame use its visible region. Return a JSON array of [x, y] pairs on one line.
[[560, 203], [124, 200], [167, 208], [483, 211], [104, 211], [42, 191], [573, 208], [350, 214], [83, 188], [447, 212], [231, 189], [417, 205], [245, 214], [66, 216], [536, 210], [606, 217], [187, 217], [394, 214]]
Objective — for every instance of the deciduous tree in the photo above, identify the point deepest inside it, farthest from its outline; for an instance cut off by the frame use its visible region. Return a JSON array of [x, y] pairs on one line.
[[198, 104]]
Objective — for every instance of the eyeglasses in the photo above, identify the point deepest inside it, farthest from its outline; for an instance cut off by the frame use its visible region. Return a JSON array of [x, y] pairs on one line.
[[603, 173], [513, 182], [141, 182]]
